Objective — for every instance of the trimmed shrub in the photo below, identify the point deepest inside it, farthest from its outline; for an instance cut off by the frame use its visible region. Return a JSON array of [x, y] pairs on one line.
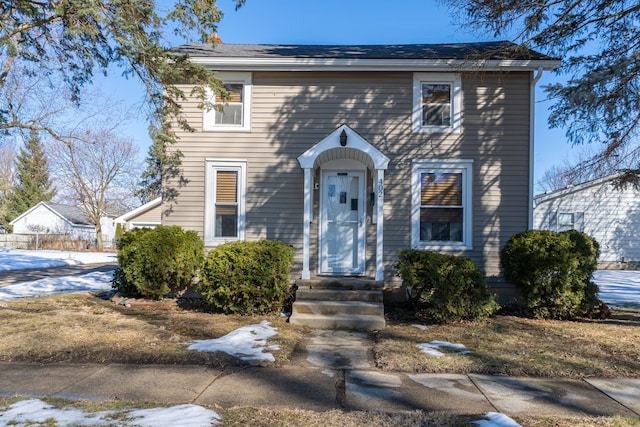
[[247, 277], [587, 249], [158, 261], [553, 271], [122, 285], [447, 287]]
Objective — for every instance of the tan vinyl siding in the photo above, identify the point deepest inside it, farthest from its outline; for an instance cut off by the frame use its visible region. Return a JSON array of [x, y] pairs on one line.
[[149, 217], [292, 111]]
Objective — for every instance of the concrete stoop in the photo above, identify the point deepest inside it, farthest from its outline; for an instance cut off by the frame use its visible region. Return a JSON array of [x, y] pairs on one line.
[[339, 303]]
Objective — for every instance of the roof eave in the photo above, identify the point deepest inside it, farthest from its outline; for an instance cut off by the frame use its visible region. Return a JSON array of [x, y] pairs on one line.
[[545, 197], [139, 210], [345, 64]]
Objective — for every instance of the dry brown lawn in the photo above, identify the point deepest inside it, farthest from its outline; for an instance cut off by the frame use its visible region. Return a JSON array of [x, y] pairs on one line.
[[509, 345], [82, 328]]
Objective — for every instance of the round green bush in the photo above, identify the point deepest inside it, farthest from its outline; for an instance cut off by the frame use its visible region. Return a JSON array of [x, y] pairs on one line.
[[247, 277], [159, 261], [553, 271], [447, 288]]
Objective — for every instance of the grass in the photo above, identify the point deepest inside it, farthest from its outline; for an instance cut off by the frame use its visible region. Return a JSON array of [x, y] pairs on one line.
[[289, 417], [82, 328], [508, 345]]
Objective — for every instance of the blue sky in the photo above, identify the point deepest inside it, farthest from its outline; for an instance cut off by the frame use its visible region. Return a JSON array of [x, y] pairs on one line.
[[348, 22]]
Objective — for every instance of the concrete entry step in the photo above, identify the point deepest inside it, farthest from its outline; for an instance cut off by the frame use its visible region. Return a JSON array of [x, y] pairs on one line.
[[361, 322], [344, 283], [338, 307], [339, 295], [339, 303]]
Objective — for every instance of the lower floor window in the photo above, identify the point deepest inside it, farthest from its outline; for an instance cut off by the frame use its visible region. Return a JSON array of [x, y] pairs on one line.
[[441, 195], [225, 201]]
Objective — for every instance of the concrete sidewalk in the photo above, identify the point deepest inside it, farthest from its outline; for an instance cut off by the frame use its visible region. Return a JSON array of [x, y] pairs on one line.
[[321, 389], [334, 369]]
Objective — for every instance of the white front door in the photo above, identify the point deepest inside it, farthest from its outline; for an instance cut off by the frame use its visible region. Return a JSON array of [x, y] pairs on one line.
[[342, 223]]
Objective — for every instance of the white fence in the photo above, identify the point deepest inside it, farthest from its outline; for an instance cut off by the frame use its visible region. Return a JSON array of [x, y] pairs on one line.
[[50, 241]]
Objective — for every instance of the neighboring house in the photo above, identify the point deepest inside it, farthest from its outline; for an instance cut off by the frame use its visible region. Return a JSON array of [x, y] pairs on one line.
[[610, 215], [145, 216], [351, 153], [54, 218], [58, 219]]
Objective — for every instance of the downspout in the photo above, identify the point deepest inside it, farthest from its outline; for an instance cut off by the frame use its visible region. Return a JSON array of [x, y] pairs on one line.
[[532, 117]]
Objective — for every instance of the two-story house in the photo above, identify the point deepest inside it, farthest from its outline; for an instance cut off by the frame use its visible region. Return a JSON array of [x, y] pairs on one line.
[[351, 153]]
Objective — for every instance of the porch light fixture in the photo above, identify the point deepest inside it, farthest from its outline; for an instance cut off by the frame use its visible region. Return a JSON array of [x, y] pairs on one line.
[[343, 138]]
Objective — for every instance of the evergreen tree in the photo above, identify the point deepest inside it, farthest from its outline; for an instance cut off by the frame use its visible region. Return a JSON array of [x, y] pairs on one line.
[[32, 178], [151, 179], [599, 43], [161, 163]]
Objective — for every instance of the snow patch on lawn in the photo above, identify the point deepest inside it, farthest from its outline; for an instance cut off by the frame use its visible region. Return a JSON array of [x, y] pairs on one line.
[[247, 343], [496, 419], [432, 348], [35, 411], [98, 281], [418, 326], [618, 288]]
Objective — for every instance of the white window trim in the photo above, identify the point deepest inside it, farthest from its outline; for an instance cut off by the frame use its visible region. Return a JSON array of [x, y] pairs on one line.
[[464, 166], [214, 165], [208, 117], [455, 80]]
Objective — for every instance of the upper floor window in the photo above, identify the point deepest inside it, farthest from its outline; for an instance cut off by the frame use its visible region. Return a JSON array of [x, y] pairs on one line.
[[235, 114], [436, 102], [441, 192]]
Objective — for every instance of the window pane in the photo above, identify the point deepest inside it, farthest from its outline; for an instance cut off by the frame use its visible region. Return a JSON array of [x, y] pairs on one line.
[[436, 104], [226, 186], [441, 224], [565, 222], [565, 219], [436, 115], [436, 93], [441, 189], [226, 221], [235, 92], [232, 114]]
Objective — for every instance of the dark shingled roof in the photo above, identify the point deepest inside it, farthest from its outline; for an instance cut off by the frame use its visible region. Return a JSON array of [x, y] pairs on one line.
[[501, 50], [72, 213]]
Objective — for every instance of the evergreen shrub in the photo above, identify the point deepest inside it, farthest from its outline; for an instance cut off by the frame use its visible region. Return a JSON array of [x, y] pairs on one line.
[[159, 261], [247, 277], [554, 271], [447, 288]]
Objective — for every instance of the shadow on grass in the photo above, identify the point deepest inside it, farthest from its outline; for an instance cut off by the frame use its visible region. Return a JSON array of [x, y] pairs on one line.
[[509, 345]]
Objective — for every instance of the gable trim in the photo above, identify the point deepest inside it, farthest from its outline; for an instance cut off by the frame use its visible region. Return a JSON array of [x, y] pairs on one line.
[[316, 155], [55, 212]]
